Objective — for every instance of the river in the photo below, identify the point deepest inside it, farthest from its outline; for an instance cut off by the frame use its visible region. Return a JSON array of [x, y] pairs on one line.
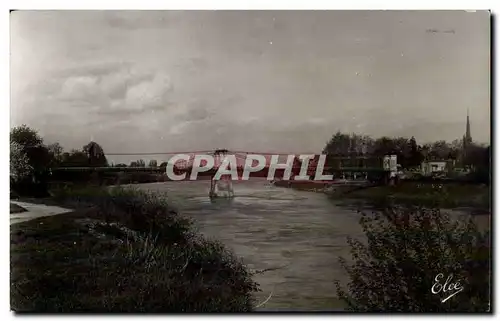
[[304, 233]]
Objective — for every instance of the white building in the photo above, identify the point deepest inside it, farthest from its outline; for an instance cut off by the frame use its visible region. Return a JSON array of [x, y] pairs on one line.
[[430, 167]]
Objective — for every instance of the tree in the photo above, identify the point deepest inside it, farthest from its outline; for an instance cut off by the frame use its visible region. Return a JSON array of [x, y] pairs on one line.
[[366, 145], [95, 155], [415, 157], [456, 149], [138, 163], [75, 158], [475, 155], [163, 164], [31, 143], [439, 150], [25, 137], [478, 158], [153, 163], [56, 153], [487, 157], [19, 163], [39, 161], [425, 151], [407, 249], [385, 146], [338, 145], [347, 146]]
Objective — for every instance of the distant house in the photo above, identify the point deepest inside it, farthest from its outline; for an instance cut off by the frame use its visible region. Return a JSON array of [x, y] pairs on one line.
[[429, 167]]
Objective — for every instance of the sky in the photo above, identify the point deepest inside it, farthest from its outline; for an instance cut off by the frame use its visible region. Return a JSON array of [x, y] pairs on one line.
[[261, 81]]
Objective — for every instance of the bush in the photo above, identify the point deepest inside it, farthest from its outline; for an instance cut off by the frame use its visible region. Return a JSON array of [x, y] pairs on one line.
[[26, 187], [406, 249], [166, 268], [19, 163], [29, 161]]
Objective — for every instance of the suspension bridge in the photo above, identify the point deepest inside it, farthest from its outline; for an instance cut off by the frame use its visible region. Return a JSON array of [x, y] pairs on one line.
[[334, 164]]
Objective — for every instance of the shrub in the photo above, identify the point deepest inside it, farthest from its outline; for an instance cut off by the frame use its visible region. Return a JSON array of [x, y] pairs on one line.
[[406, 248], [168, 268], [19, 163], [29, 161]]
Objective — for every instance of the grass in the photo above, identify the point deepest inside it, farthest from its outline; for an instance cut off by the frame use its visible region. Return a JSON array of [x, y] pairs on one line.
[[450, 195], [123, 251]]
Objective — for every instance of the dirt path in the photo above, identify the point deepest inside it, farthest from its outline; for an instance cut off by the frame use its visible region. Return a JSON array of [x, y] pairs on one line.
[[35, 211]]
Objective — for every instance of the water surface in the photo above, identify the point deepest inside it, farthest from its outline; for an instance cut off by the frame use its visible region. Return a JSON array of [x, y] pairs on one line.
[[268, 226]]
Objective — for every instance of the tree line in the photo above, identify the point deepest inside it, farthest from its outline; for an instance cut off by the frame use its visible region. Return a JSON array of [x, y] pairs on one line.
[[409, 153], [32, 159]]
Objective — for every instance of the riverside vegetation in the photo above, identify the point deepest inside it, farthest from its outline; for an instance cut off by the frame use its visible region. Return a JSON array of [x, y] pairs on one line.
[[122, 250], [406, 249]]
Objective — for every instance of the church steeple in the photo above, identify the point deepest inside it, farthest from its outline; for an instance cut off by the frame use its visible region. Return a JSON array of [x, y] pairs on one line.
[[468, 136]]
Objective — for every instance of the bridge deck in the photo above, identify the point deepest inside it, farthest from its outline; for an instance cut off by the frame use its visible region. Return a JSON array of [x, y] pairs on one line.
[[162, 169]]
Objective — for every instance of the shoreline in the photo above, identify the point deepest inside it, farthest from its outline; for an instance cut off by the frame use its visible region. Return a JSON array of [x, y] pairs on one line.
[[455, 196]]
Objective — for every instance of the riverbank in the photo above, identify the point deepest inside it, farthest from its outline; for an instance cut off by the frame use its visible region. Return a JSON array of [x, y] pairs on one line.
[[442, 195], [450, 195], [122, 251]]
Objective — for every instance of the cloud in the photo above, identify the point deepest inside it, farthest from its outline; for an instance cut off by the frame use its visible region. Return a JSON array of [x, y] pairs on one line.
[[117, 91], [78, 88], [133, 20], [148, 93], [214, 80], [195, 111], [96, 69]]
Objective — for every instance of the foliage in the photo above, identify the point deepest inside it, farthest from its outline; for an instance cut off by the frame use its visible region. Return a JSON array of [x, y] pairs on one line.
[[32, 145], [38, 158], [406, 249], [75, 158], [138, 163], [95, 155], [121, 165], [342, 144], [19, 163], [425, 191], [409, 153], [25, 136], [153, 163], [477, 155], [43, 158], [56, 150], [439, 150], [147, 259], [415, 157]]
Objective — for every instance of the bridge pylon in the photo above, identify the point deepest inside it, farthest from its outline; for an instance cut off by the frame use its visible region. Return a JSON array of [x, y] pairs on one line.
[[222, 187]]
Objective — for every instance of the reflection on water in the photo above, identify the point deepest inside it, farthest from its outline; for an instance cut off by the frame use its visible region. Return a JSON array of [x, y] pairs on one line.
[[269, 227]]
